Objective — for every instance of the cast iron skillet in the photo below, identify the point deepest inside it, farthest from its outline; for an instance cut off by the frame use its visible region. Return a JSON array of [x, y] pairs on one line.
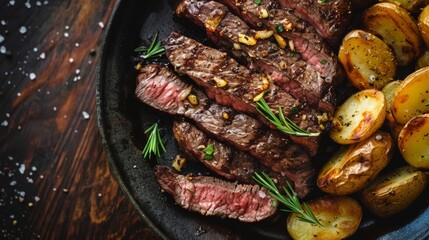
[[122, 119]]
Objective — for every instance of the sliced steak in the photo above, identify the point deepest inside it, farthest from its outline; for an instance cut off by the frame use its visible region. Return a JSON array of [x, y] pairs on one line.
[[329, 17], [208, 66], [213, 197], [285, 68], [304, 37], [158, 87], [226, 161]]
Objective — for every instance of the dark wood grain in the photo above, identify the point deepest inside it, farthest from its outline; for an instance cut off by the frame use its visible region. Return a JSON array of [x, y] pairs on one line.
[[55, 181]]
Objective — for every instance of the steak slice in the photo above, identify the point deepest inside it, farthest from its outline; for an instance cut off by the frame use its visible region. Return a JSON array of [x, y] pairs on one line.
[[330, 18], [214, 197], [159, 88], [207, 66], [226, 161], [304, 37], [285, 68]]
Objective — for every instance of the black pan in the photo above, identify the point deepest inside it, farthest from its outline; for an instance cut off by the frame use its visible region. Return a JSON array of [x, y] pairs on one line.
[[122, 120]]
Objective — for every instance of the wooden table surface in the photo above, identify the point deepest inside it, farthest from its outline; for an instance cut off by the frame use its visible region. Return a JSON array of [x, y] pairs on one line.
[[55, 181]]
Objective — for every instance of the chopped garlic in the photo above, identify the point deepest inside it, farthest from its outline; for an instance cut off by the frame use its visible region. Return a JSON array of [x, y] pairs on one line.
[[248, 40]]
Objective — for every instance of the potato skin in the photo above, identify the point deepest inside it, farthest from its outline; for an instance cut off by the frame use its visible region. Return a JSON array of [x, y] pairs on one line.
[[367, 60], [351, 168], [423, 23], [413, 142], [389, 91], [358, 117], [410, 97], [340, 216], [409, 5], [394, 192], [395, 27]]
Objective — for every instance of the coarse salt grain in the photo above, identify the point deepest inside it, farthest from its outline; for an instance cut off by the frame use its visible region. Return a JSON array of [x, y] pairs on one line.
[[378, 137], [22, 168], [4, 123], [101, 24], [12, 2], [36, 199], [66, 34], [71, 60], [7, 115], [32, 76], [85, 115], [33, 168], [18, 94], [3, 49], [10, 158], [77, 71], [3, 22], [22, 29], [67, 27], [28, 4], [12, 183], [1, 38], [42, 55], [55, 109], [38, 3], [35, 49], [262, 194], [76, 44]]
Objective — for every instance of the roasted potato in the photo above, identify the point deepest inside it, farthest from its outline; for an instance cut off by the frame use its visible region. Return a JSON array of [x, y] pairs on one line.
[[413, 142], [411, 97], [339, 215], [392, 193], [389, 91], [358, 117], [397, 28], [423, 60], [367, 60], [352, 167], [423, 24], [409, 5]]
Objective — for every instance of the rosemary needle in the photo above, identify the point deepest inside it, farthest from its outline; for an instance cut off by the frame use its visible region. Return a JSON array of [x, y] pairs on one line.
[[290, 200], [154, 144], [155, 49], [282, 123]]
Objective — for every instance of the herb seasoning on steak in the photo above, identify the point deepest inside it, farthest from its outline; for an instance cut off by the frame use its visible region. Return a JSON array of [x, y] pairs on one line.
[[240, 87], [304, 37], [285, 67], [158, 87], [212, 196]]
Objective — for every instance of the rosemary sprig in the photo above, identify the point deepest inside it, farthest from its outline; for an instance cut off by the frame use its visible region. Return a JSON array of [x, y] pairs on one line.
[[290, 200], [282, 123], [427, 104], [155, 49], [154, 143]]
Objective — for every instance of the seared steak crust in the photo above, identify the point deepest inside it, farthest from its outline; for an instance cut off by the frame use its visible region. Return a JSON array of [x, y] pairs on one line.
[[206, 66], [286, 68], [212, 196], [158, 87], [306, 41], [226, 161], [330, 18]]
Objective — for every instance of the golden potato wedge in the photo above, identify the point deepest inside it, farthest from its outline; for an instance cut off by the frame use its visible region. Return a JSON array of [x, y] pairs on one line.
[[413, 142], [411, 97], [339, 215], [412, 6], [367, 60], [389, 91], [423, 24], [394, 192], [358, 117], [423, 60], [397, 28], [352, 167]]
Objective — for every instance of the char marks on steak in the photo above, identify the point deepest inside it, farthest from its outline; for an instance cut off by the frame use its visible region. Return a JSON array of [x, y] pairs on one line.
[[211, 196], [330, 18], [226, 161], [158, 87], [306, 41], [286, 68], [207, 66]]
